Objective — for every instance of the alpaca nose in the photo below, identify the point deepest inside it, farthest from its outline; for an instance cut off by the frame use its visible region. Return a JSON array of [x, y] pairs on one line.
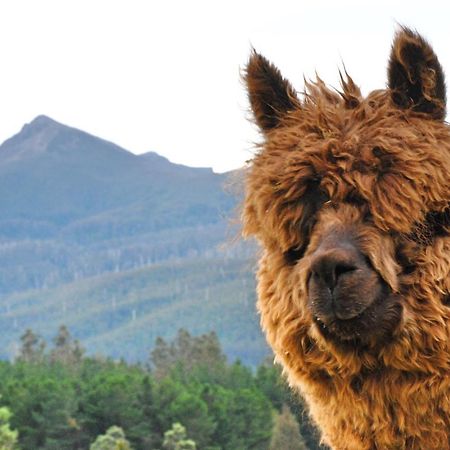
[[342, 283], [328, 268]]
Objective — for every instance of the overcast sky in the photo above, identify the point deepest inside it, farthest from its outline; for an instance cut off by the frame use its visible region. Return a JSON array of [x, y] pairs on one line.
[[165, 75]]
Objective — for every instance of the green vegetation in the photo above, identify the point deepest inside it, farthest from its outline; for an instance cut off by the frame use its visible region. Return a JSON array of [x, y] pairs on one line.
[[122, 314], [187, 396], [8, 437], [175, 439], [286, 433], [113, 439]]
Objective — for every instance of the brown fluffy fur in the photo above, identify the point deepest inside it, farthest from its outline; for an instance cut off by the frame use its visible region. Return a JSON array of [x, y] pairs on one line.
[[377, 170]]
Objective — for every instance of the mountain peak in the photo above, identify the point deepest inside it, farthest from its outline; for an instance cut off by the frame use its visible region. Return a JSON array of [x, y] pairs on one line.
[[44, 135], [41, 122], [153, 156], [42, 119], [44, 139], [32, 139]]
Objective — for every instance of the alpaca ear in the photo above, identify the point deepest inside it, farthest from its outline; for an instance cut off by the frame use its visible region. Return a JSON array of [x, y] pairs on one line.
[[416, 78], [270, 95]]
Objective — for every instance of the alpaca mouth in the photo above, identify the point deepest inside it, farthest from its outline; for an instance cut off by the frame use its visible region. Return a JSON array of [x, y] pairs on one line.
[[373, 323], [343, 329]]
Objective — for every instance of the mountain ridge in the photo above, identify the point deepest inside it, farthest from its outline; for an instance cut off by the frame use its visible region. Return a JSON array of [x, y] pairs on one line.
[[76, 209], [43, 123], [56, 158]]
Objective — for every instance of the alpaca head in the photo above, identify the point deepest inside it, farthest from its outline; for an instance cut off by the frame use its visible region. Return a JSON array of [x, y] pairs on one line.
[[349, 197]]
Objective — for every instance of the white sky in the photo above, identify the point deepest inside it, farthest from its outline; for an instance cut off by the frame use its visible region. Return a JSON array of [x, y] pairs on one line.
[[164, 75]]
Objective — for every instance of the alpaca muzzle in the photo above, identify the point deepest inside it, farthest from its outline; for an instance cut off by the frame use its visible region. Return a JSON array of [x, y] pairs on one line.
[[342, 288]]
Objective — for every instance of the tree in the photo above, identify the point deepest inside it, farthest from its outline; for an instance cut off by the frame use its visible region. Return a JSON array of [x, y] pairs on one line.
[[272, 383], [180, 403], [114, 439], [66, 350], [187, 352], [45, 408], [246, 421], [286, 434], [111, 397], [143, 431], [32, 347], [175, 439], [162, 357], [8, 437]]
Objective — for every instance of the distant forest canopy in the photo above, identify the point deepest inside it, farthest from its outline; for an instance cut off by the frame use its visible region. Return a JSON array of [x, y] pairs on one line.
[[121, 315], [187, 395]]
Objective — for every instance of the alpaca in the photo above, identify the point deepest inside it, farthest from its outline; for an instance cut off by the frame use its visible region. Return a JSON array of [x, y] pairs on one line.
[[349, 197]]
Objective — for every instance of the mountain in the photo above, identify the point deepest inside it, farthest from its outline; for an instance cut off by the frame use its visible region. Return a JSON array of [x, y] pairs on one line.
[[63, 191], [120, 247], [65, 176]]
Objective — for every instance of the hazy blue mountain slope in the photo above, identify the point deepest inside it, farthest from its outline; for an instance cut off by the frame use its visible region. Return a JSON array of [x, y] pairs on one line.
[[64, 192], [119, 247], [56, 174], [122, 314]]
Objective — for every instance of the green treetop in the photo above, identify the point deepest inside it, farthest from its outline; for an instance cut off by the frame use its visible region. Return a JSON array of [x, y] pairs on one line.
[[8, 437], [175, 439], [114, 439]]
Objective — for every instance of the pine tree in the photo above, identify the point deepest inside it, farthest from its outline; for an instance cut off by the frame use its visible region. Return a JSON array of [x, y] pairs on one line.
[[187, 352], [144, 432], [286, 434], [162, 358], [32, 347], [66, 350]]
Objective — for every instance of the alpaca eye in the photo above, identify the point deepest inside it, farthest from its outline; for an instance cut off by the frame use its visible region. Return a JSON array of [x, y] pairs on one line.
[[378, 152], [312, 200], [292, 255], [355, 199], [436, 223], [446, 300]]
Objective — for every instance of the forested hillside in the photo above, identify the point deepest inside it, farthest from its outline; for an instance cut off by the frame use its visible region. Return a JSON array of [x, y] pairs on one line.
[[120, 247], [121, 314]]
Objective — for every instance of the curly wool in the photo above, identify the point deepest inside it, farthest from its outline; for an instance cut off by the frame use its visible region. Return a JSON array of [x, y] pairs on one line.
[[383, 167]]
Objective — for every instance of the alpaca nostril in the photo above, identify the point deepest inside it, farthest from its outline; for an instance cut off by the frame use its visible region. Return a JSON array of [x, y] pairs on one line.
[[329, 270], [340, 269]]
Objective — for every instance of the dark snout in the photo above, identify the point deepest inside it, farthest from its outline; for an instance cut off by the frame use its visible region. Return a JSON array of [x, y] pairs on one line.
[[342, 286]]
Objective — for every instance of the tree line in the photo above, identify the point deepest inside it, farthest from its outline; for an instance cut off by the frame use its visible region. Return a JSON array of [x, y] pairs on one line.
[[186, 397]]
